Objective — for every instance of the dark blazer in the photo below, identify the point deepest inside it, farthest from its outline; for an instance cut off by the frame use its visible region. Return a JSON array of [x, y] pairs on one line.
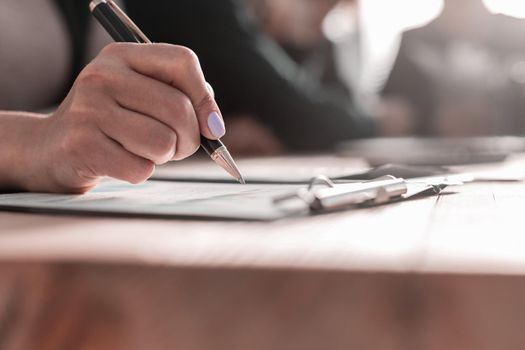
[[250, 73], [499, 41]]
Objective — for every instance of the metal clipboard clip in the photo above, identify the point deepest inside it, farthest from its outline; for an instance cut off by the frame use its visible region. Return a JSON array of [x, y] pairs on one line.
[[324, 195]]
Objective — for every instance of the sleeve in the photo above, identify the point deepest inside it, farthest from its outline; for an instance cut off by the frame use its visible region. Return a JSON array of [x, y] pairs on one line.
[[250, 73]]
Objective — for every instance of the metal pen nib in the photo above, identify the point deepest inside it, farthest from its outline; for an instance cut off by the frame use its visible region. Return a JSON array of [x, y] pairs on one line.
[[223, 158], [220, 155]]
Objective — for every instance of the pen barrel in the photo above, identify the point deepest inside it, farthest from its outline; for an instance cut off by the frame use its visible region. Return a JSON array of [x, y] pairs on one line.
[[210, 146], [113, 25]]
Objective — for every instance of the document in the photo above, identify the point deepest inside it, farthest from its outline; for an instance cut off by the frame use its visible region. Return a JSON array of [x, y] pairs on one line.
[[165, 199], [223, 201], [271, 170]]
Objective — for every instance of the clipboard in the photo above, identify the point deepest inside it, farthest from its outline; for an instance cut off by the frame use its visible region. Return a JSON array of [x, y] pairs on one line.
[[323, 195], [212, 201]]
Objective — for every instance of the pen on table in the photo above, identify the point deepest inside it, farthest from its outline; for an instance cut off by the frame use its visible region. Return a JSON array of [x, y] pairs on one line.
[[122, 29]]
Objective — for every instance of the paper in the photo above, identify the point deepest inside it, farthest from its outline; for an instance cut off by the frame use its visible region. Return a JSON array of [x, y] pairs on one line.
[[291, 170], [164, 199]]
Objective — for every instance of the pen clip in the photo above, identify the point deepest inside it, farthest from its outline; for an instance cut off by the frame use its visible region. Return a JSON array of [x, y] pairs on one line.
[[128, 22]]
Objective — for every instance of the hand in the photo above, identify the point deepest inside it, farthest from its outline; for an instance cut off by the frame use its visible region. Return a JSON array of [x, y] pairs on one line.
[[135, 106]]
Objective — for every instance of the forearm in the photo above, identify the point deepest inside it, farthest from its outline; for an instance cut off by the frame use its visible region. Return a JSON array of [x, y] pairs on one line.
[[17, 134]]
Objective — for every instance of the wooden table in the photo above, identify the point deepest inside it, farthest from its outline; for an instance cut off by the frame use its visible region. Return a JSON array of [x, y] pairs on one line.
[[442, 272]]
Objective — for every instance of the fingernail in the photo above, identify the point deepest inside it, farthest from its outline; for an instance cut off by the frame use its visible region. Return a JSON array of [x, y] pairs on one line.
[[216, 125]]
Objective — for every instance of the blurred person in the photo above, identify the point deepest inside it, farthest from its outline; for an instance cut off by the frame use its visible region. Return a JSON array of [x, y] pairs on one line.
[[366, 38], [297, 27], [464, 73], [300, 28]]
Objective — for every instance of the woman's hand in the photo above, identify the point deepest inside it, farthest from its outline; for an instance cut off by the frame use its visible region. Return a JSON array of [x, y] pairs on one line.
[[135, 106]]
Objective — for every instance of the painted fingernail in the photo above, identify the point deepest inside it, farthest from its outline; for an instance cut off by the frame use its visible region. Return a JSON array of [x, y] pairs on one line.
[[216, 125]]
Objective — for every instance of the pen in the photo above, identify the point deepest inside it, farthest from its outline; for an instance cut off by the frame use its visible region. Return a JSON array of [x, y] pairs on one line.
[[122, 29]]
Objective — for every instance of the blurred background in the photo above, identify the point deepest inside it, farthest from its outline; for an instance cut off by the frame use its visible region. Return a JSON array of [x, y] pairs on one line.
[[429, 68]]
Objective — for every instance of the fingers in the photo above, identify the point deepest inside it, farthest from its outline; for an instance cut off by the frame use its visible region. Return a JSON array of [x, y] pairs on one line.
[[141, 135], [172, 131], [111, 159], [178, 67], [133, 107]]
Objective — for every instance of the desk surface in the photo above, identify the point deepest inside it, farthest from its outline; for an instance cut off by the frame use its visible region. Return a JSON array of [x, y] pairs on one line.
[[476, 228]]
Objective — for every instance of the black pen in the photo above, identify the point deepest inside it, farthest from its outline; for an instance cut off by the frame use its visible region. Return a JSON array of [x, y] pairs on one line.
[[123, 29]]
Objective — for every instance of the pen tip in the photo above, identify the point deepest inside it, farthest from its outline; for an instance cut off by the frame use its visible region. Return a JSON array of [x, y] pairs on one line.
[[222, 157]]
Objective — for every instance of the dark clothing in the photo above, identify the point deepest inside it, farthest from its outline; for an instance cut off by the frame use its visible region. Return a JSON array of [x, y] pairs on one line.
[[250, 73], [76, 15], [477, 76]]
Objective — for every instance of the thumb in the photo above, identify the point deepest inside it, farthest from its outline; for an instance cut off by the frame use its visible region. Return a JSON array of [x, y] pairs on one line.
[[209, 116]]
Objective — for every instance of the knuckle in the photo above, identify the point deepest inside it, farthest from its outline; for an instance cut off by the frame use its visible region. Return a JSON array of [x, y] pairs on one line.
[[207, 101], [188, 56], [164, 144], [114, 49], [95, 74]]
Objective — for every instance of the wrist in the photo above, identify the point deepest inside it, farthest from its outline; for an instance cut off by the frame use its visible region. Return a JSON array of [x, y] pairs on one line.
[[22, 154]]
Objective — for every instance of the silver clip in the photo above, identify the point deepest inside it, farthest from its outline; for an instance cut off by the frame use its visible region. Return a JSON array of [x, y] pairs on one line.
[[332, 197]]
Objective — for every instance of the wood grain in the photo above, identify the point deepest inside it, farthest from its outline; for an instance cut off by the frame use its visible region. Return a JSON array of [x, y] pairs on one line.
[[133, 307], [443, 272]]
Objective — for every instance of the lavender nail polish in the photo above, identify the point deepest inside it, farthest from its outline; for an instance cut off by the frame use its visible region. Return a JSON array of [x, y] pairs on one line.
[[216, 125]]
